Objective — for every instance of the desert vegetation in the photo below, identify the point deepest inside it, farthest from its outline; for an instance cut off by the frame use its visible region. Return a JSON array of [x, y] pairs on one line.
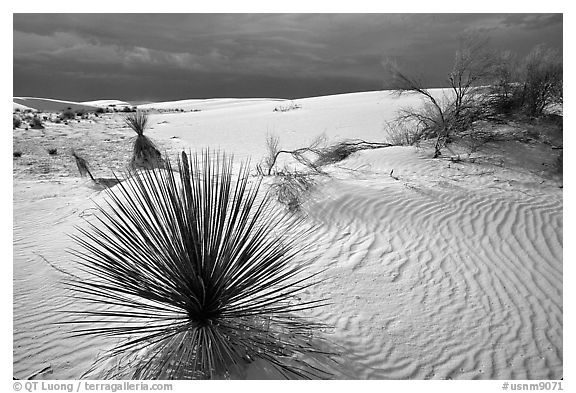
[[199, 281], [293, 186], [145, 154], [36, 123], [68, 114], [288, 107], [16, 121], [485, 86]]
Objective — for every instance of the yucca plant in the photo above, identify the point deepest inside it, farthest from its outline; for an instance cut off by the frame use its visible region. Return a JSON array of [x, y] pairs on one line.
[[145, 155], [199, 274], [82, 165]]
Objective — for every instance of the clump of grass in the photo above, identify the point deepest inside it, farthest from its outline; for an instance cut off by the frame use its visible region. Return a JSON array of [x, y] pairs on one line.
[[194, 278], [52, 151], [145, 155], [17, 154]]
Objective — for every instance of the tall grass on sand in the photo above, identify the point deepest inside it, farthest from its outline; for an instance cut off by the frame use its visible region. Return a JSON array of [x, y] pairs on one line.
[[198, 276], [145, 155]]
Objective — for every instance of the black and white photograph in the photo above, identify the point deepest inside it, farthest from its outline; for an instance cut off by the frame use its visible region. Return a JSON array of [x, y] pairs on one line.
[[269, 196]]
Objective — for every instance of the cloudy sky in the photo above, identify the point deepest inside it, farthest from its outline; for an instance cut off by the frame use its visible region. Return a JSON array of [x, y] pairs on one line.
[[147, 57]]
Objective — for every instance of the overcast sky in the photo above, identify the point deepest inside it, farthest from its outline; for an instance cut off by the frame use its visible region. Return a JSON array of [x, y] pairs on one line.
[[148, 57]]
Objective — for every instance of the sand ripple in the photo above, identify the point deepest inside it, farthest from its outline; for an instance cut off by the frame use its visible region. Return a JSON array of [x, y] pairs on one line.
[[460, 282]]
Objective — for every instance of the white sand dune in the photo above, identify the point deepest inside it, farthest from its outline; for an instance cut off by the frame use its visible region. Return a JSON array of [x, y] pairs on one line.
[[207, 104], [450, 271], [106, 103], [20, 107], [51, 105]]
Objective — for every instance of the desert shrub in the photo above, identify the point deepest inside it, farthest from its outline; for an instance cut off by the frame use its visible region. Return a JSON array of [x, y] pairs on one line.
[[302, 155], [128, 109], [288, 107], [441, 117], [16, 121], [68, 114], [543, 80], [197, 277], [292, 188], [36, 123], [52, 151], [100, 110], [17, 154], [317, 154], [400, 133], [145, 155], [272, 150], [531, 86], [341, 150]]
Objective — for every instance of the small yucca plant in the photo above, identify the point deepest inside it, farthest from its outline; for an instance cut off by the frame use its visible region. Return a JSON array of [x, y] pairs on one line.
[[198, 280], [145, 155], [82, 165]]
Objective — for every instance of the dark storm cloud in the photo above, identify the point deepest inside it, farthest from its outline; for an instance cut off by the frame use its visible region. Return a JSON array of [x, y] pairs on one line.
[[164, 56]]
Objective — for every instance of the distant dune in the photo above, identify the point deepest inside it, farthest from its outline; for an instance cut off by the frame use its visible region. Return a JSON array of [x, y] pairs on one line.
[[21, 107], [51, 105], [107, 103]]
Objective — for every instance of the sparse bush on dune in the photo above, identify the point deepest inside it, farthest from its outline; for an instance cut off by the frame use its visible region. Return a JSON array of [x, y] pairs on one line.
[[400, 133], [288, 107], [531, 86], [17, 154], [293, 188], [272, 150], [341, 150], [52, 151], [145, 155], [317, 154], [543, 81], [441, 117], [198, 281]]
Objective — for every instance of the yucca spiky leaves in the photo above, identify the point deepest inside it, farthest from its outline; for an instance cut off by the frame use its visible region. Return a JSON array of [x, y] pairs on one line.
[[145, 155], [199, 274], [137, 121]]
